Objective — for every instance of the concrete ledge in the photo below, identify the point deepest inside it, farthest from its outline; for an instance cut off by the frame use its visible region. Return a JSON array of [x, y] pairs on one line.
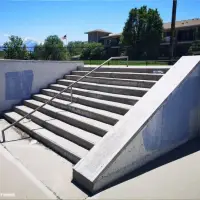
[[167, 116]]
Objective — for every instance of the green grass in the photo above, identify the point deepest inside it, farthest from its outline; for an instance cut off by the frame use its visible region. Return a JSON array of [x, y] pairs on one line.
[[118, 62], [1, 54]]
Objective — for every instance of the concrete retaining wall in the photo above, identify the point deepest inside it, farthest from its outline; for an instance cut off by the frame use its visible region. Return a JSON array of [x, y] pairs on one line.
[[19, 79], [167, 116]]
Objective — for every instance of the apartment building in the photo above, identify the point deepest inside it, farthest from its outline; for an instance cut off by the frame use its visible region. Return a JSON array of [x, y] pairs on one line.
[[186, 32]]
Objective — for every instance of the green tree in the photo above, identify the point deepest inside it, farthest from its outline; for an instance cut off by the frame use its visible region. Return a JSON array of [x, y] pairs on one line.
[[52, 49], [92, 50], [38, 53], [25, 54], [97, 52], [194, 48], [75, 48], [143, 32], [15, 49]]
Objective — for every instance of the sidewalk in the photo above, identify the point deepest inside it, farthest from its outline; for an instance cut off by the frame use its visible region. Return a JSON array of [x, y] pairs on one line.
[[16, 182]]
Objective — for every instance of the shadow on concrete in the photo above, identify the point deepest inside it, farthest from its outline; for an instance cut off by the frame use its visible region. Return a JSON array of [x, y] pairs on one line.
[[186, 149]]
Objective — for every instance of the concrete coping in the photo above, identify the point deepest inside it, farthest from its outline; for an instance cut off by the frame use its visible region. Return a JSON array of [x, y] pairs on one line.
[[35, 61]]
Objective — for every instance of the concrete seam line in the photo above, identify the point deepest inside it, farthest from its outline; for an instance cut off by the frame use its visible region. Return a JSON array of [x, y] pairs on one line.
[[29, 175]]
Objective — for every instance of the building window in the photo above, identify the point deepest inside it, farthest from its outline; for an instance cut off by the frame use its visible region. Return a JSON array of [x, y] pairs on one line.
[[167, 34], [107, 42]]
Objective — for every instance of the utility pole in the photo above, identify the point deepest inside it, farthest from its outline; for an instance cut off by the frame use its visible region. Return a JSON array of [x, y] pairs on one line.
[[173, 23]]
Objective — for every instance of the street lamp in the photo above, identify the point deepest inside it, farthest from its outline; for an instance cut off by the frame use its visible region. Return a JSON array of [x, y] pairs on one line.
[[173, 29]]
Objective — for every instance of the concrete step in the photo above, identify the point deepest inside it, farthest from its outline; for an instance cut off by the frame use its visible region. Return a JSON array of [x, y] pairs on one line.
[[131, 100], [93, 113], [114, 81], [123, 75], [115, 107], [85, 123], [135, 91], [65, 148], [150, 69], [69, 132]]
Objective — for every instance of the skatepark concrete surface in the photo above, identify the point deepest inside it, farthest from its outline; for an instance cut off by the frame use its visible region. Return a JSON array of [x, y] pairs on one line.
[[28, 170]]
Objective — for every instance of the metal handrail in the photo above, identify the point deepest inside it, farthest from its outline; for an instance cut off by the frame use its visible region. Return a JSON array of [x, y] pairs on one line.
[[70, 86]]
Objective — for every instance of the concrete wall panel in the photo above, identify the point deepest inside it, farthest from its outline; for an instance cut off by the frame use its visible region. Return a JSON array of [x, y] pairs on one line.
[[19, 79]]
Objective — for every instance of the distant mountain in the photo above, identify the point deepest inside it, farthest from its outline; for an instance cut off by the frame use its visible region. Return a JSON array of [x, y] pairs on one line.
[[30, 44], [1, 47]]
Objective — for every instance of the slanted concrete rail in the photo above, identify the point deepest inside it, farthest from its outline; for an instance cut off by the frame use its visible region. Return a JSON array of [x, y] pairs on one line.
[[165, 117]]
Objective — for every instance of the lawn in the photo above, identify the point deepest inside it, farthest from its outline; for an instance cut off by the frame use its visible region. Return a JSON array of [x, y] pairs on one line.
[[119, 62]]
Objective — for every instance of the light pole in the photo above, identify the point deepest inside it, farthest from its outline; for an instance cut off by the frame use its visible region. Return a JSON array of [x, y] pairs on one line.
[[173, 30]]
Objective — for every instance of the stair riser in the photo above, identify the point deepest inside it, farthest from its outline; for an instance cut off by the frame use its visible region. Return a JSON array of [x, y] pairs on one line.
[[81, 112], [58, 130], [125, 69], [69, 156], [83, 101], [123, 76], [98, 96], [69, 120], [131, 83], [124, 91]]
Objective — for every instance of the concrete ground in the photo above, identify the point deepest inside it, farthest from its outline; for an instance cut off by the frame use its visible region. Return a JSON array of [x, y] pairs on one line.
[[28, 170], [16, 182], [49, 172], [50, 169]]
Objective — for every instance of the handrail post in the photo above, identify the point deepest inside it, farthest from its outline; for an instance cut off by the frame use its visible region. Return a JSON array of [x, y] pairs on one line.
[[3, 136], [127, 61], [71, 96]]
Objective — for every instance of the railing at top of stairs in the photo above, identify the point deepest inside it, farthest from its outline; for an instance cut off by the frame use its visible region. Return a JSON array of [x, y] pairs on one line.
[[70, 86]]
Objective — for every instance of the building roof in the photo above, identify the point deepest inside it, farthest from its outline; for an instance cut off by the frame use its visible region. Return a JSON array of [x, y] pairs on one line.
[[183, 23], [166, 26], [112, 36], [98, 30]]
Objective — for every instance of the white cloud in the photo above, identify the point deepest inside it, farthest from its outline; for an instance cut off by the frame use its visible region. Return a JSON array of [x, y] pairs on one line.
[[6, 35]]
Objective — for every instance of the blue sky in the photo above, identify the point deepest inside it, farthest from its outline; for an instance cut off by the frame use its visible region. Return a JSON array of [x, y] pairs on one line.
[[36, 19]]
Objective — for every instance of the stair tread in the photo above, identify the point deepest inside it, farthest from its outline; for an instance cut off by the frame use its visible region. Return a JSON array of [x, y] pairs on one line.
[[92, 122], [87, 136], [76, 105], [113, 79], [99, 92], [48, 135], [106, 85], [125, 69], [116, 104], [101, 72]]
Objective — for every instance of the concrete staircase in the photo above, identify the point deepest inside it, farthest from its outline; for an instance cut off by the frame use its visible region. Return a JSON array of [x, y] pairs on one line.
[[99, 102]]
